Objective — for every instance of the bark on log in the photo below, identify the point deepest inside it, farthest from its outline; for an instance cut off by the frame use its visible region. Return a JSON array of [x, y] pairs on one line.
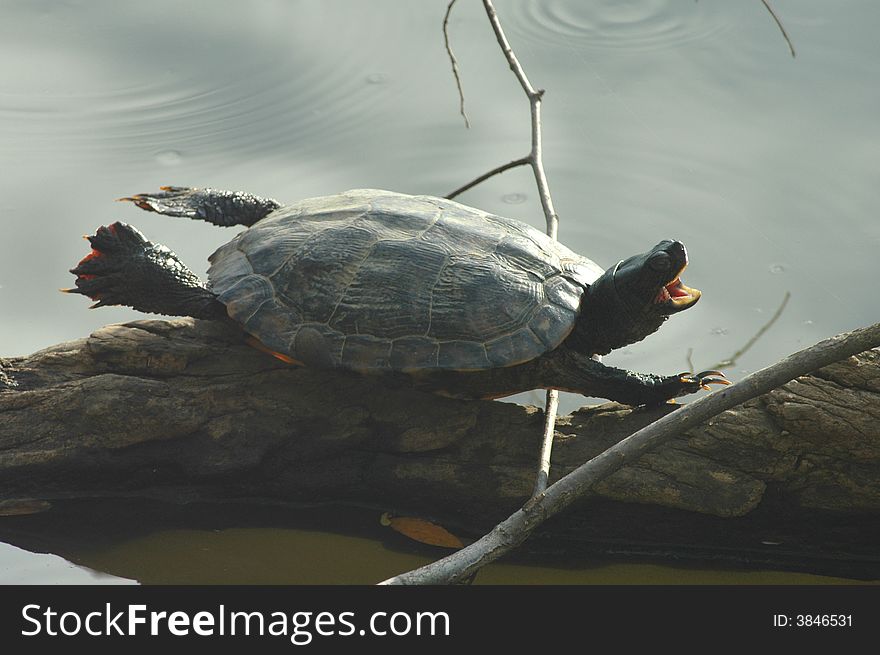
[[184, 411]]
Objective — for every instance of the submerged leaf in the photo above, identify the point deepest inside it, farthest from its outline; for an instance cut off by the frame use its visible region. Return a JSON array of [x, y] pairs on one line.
[[422, 531]]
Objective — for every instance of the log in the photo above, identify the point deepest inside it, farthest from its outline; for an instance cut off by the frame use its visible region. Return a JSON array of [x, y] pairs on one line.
[[184, 411]]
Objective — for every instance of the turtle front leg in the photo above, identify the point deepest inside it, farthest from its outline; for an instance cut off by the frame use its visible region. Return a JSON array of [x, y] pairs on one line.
[[124, 268], [224, 208], [569, 370]]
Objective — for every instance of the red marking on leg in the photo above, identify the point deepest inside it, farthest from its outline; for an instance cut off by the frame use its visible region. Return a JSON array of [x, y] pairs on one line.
[[91, 255]]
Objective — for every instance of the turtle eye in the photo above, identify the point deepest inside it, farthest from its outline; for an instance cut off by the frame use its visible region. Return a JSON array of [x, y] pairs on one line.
[[659, 261]]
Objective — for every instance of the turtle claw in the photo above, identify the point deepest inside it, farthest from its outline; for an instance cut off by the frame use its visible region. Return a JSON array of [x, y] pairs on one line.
[[711, 377], [704, 374], [702, 380]]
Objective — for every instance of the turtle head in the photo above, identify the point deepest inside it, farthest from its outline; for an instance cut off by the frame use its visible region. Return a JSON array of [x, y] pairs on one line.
[[634, 297]]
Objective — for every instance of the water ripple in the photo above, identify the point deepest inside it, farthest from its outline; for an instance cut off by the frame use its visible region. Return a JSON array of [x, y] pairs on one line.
[[634, 25], [269, 95]]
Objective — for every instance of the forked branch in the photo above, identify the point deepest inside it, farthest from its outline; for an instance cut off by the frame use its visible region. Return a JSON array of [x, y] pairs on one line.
[[546, 502], [535, 160]]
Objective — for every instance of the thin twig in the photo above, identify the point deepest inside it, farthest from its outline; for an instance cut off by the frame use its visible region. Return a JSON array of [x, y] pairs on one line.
[[543, 476], [516, 528], [781, 26], [533, 159], [522, 161], [454, 63], [550, 409], [731, 361], [536, 155]]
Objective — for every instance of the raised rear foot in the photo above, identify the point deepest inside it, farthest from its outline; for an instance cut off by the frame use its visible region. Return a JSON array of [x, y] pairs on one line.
[[124, 268], [222, 208]]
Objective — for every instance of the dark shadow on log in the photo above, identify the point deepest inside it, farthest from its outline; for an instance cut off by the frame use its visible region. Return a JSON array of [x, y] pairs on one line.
[[184, 412]]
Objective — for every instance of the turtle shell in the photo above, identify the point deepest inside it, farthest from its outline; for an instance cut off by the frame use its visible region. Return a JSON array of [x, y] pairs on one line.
[[372, 280]]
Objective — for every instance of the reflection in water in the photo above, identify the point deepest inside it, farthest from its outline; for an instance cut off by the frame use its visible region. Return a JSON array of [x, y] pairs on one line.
[[19, 566], [731, 361]]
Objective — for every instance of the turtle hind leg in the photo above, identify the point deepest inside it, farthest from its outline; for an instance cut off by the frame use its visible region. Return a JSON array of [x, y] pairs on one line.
[[124, 268], [224, 208]]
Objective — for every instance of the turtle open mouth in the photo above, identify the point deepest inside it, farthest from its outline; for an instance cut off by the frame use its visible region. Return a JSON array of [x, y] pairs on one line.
[[675, 295]]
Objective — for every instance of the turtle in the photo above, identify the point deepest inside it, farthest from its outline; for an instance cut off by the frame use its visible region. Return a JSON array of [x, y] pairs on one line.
[[408, 288]]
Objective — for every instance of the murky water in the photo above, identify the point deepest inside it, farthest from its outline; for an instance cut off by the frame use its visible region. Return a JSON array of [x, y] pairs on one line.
[[127, 541], [662, 118]]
